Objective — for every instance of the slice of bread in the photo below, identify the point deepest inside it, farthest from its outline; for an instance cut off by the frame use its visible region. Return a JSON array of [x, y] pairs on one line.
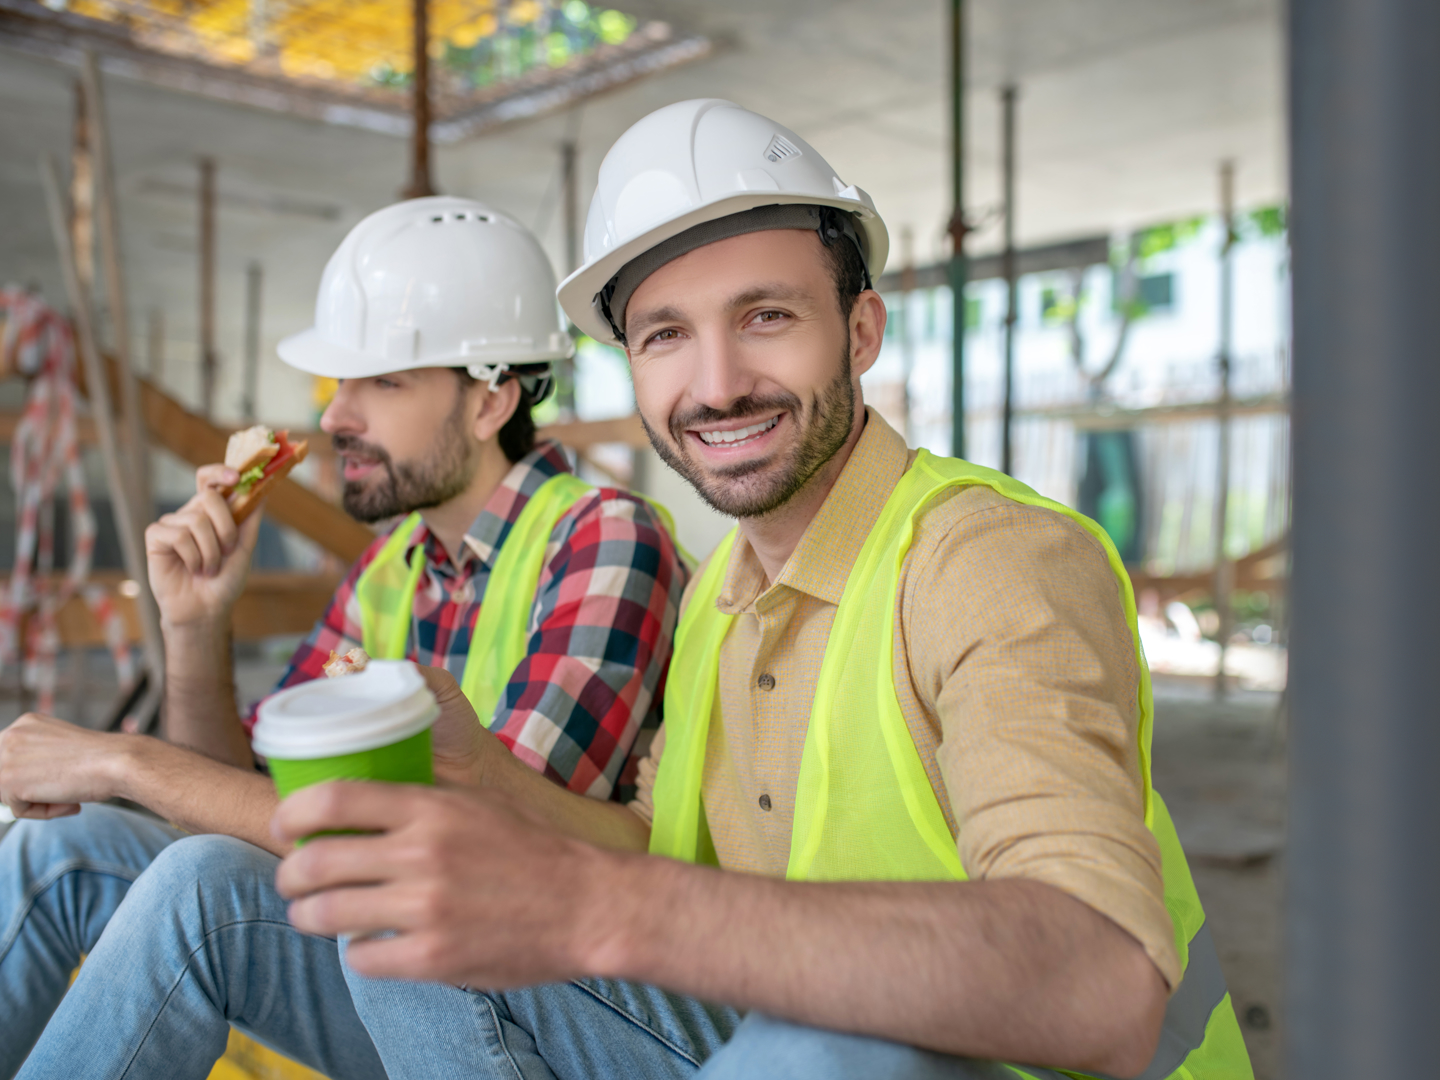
[[253, 446], [242, 506]]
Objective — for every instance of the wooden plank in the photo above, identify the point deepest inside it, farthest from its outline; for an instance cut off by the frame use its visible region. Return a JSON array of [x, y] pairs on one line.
[[274, 602], [583, 434]]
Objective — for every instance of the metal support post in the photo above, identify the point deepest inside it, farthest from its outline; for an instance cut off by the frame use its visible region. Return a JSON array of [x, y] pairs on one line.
[[254, 280], [570, 200], [958, 227], [1012, 284], [209, 361], [420, 182], [1362, 940], [1224, 569], [907, 341]]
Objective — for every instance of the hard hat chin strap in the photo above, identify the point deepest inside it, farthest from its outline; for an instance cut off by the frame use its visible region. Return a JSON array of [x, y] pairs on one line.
[[489, 374], [537, 384]]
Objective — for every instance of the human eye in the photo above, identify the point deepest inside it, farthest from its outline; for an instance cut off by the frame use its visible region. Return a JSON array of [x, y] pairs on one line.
[[660, 337], [768, 317]]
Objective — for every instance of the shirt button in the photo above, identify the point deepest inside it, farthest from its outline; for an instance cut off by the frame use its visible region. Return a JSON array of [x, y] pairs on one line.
[[767, 682], [764, 802]]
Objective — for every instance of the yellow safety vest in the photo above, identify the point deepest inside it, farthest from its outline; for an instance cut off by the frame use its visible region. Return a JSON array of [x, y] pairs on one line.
[[864, 807], [500, 636]]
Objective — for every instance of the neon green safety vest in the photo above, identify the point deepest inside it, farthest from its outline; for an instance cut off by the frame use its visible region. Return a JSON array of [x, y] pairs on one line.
[[864, 807], [499, 639]]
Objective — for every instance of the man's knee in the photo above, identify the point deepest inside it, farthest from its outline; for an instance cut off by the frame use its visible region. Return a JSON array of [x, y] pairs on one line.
[[207, 868]]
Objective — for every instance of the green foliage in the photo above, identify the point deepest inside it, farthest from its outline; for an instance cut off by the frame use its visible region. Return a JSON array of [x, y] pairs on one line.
[[1265, 222], [1057, 306], [1159, 239]]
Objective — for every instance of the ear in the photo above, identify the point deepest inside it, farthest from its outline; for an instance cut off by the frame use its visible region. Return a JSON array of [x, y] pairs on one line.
[[494, 408], [867, 331]]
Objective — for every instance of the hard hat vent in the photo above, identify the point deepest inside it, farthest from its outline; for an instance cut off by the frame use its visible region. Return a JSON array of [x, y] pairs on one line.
[[780, 148], [459, 215]]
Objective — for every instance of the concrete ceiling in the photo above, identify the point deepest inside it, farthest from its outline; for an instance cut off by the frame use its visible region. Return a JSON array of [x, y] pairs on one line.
[[1126, 108]]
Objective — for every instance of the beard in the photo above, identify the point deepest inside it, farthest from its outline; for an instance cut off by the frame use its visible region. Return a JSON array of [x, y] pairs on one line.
[[755, 488], [403, 488]]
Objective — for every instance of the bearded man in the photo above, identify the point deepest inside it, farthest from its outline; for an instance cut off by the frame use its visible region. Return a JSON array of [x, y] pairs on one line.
[[432, 423]]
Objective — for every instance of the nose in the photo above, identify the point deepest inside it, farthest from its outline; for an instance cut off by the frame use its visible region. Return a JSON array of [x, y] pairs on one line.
[[722, 376], [342, 414]]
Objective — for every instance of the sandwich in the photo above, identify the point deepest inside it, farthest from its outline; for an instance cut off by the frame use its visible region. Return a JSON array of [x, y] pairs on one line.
[[262, 458], [353, 661]]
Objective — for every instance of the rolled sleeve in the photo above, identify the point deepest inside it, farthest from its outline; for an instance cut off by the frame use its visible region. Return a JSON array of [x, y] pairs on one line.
[[1019, 643]]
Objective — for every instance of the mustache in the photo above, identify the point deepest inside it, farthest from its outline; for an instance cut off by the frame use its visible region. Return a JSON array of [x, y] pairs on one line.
[[738, 410], [354, 446]]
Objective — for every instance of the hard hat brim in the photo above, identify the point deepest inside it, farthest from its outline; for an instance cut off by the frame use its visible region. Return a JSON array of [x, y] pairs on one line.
[[577, 292], [311, 352]]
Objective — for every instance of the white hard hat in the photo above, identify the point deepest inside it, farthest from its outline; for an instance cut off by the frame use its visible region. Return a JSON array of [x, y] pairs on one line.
[[435, 282], [695, 162]]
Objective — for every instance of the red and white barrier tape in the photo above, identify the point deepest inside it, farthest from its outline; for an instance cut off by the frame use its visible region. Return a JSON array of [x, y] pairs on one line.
[[39, 343]]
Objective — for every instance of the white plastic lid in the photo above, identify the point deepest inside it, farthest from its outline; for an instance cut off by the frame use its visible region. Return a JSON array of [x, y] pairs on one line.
[[383, 704]]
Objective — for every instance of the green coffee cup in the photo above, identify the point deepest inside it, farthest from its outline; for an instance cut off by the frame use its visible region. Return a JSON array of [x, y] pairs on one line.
[[372, 725]]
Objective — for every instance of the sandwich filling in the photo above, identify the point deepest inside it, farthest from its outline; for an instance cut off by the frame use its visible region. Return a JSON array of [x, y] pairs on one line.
[[283, 452]]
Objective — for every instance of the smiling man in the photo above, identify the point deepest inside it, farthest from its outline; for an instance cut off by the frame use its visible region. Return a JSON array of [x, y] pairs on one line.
[[900, 822], [438, 317]]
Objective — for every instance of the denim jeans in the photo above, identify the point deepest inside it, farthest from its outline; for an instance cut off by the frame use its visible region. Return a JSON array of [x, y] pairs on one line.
[[184, 937], [597, 1029]]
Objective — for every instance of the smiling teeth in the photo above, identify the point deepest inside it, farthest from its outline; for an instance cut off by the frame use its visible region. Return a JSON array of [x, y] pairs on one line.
[[724, 438]]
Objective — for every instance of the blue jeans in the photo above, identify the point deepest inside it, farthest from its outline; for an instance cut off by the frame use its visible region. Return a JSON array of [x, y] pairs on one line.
[[184, 937], [596, 1029]]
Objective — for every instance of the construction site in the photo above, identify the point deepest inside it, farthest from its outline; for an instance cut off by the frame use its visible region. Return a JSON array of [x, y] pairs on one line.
[[1095, 214]]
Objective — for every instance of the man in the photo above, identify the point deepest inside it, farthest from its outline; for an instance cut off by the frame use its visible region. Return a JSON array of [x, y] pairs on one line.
[[438, 317], [906, 727]]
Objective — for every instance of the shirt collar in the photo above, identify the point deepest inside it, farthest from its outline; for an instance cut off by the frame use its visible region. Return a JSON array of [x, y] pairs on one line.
[[489, 529], [820, 564], [493, 524]]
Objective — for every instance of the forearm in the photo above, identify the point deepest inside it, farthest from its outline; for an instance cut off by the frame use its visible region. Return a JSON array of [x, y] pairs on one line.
[[604, 824], [200, 710], [197, 793], [1008, 970]]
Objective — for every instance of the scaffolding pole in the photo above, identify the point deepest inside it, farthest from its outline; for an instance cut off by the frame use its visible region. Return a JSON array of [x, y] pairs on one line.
[[136, 438], [1012, 282], [1224, 569], [1362, 940], [958, 227]]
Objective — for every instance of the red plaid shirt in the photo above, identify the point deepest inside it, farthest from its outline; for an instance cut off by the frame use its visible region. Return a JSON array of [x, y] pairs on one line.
[[601, 627]]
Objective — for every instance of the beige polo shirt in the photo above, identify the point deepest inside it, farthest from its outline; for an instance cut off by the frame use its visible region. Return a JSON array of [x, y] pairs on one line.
[[1020, 693]]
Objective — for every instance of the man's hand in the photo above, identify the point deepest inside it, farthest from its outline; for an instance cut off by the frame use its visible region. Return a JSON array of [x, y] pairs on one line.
[[474, 891], [49, 767], [464, 749], [198, 558]]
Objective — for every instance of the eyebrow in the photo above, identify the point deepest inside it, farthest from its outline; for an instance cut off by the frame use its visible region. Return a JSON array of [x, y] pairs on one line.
[[753, 295]]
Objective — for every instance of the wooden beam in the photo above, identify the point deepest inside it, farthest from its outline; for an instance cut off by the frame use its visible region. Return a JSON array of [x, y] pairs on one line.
[[583, 434], [197, 441], [274, 602]]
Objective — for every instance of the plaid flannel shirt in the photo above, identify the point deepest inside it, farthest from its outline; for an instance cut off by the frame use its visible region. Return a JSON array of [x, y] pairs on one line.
[[601, 627]]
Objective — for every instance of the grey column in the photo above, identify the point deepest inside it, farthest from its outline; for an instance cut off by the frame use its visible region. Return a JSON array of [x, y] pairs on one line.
[[1363, 904]]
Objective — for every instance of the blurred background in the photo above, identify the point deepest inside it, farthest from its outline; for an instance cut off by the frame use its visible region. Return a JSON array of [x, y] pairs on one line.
[[1115, 175]]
